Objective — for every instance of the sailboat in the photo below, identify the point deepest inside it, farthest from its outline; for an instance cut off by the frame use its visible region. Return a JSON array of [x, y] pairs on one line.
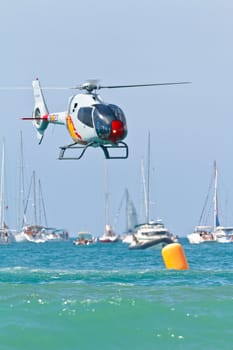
[[5, 233], [26, 232], [109, 236], [34, 230], [151, 233], [131, 219], [214, 232], [38, 231], [19, 235]]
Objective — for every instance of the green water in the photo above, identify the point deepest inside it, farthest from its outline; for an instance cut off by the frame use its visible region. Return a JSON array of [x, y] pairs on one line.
[[58, 296]]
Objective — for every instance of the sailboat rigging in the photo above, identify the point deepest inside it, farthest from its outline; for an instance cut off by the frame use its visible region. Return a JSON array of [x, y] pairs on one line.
[[5, 234], [109, 235], [151, 233], [36, 229], [215, 232]]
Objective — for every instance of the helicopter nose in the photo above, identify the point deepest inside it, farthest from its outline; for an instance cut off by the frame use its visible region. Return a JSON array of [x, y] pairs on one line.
[[117, 131]]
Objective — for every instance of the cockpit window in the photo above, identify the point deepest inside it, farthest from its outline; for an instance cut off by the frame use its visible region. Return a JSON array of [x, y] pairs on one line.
[[117, 112], [103, 117], [104, 112], [85, 116]]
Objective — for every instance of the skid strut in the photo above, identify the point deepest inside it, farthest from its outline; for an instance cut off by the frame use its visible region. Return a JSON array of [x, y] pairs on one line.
[[105, 148]]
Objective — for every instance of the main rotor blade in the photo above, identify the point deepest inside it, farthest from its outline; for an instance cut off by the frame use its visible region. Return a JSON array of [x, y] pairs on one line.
[[92, 85], [30, 88], [141, 85], [15, 88]]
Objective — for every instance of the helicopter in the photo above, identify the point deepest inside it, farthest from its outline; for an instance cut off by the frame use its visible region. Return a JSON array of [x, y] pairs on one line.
[[90, 121]]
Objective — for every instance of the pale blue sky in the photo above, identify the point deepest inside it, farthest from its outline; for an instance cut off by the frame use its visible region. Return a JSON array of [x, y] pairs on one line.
[[122, 42]]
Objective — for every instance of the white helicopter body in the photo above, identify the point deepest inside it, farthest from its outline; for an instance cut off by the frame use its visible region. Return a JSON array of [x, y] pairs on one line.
[[89, 121]]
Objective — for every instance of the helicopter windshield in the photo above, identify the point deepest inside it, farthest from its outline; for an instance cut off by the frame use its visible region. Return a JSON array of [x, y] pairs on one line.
[[103, 117], [109, 121]]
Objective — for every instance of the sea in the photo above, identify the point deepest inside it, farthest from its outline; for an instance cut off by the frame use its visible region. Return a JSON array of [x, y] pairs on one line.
[[58, 296]]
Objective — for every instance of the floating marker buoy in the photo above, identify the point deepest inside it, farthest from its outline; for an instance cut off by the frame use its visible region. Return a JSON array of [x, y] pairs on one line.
[[174, 257]]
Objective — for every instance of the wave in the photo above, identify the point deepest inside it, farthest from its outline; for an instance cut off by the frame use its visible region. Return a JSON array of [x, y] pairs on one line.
[[140, 277]]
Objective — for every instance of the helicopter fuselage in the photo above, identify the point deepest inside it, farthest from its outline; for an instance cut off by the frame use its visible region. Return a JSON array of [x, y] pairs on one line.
[[89, 119]]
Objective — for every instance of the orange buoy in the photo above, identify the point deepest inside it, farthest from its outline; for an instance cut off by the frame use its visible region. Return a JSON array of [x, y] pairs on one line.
[[174, 257]]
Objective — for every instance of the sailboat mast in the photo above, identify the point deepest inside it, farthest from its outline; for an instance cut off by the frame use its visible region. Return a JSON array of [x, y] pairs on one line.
[[2, 188], [41, 200], [215, 196], [144, 187], [106, 194], [34, 197], [148, 183], [127, 209], [21, 205]]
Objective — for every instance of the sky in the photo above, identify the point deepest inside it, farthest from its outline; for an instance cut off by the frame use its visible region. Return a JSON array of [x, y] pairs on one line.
[[68, 42]]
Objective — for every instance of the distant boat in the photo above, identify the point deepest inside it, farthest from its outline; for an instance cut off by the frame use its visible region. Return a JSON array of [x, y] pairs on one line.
[[150, 231], [33, 233], [56, 234], [109, 236], [216, 232], [153, 230], [84, 238], [201, 234]]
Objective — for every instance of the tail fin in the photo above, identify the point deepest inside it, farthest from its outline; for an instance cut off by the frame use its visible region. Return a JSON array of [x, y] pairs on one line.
[[40, 112]]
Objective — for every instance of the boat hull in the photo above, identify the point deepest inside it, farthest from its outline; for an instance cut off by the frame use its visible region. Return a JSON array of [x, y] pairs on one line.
[[158, 242], [108, 240]]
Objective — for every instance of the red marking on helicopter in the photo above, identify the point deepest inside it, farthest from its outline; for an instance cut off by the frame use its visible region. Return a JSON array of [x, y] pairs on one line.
[[45, 117], [117, 131]]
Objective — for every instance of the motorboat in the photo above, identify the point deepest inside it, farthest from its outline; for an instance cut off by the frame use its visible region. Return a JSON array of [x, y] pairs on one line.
[[55, 234], [153, 230], [84, 238]]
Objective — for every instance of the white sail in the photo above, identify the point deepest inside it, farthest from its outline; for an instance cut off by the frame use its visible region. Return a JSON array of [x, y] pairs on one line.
[[131, 214]]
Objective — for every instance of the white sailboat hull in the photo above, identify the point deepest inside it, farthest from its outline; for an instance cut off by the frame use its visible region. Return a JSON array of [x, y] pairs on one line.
[[197, 238]]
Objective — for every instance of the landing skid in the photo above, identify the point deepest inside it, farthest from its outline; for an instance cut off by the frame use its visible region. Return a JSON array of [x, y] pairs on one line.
[[105, 149]]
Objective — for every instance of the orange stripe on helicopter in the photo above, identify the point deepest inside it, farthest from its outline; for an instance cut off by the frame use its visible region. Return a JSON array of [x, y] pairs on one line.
[[72, 130], [52, 118]]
